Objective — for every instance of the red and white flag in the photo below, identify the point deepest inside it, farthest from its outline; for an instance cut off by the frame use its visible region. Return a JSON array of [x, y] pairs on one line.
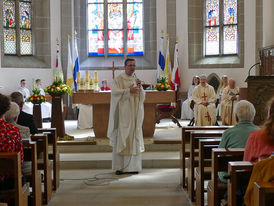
[[175, 79]]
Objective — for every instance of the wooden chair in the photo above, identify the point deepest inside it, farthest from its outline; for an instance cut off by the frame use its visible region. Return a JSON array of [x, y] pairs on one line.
[[54, 155], [203, 172], [239, 173], [263, 194], [185, 143], [167, 111], [44, 164], [12, 163], [194, 138], [220, 159], [30, 154]]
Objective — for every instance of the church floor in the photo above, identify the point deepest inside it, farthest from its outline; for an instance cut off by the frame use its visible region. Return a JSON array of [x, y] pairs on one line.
[[152, 187]]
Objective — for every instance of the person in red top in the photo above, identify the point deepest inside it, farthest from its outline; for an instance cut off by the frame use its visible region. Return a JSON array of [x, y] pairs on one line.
[[105, 86], [260, 143], [10, 138]]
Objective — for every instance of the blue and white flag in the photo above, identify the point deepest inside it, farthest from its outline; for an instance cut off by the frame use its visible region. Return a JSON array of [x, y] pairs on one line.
[[161, 59], [76, 66]]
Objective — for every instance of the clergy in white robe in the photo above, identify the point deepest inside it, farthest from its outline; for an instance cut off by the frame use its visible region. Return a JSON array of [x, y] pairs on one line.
[[230, 97], [187, 112], [126, 120], [27, 107], [222, 86], [204, 109]]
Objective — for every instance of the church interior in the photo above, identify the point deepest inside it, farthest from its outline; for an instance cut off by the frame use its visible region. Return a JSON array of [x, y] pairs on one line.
[[176, 94]]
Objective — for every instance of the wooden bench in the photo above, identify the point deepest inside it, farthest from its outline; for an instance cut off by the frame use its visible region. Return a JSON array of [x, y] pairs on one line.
[[237, 170], [12, 163], [185, 143], [44, 164], [194, 140], [205, 151], [54, 155], [220, 159], [263, 194], [30, 154]]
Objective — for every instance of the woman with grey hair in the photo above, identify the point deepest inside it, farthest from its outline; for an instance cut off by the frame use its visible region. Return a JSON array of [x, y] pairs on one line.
[[11, 116], [236, 137]]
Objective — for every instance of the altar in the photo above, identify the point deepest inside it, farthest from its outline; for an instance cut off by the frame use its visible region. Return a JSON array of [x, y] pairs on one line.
[[101, 106]]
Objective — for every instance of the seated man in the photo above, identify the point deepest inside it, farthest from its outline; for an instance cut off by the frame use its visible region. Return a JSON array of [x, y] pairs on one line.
[[236, 137], [204, 109], [230, 97], [24, 119], [105, 86], [11, 116]]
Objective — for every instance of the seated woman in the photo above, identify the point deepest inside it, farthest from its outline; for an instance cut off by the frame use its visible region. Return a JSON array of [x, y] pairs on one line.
[[187, 112], [260, 143]]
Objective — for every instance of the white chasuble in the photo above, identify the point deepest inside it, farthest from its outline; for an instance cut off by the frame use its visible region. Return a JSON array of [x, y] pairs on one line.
[[228, 118], [125, 125], [204, 115]]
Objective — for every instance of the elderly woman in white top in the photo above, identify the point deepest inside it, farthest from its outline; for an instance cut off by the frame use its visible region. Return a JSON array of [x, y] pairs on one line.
[[187, 112]]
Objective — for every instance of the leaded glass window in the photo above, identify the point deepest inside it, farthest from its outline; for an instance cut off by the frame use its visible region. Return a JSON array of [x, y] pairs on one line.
[[115, 27], [221, 27], [17, 23]]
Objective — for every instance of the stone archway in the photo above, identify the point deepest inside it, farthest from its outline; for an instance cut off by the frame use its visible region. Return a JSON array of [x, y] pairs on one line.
[[214, 80]]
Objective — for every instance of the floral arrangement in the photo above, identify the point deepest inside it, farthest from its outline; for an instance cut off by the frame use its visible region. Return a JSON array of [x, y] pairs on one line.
[[58, 87], [36, 98], [162, 84]]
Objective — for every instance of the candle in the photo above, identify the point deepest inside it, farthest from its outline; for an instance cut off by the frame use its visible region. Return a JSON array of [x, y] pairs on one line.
[[87, 75], [78, 77], [95, 76]]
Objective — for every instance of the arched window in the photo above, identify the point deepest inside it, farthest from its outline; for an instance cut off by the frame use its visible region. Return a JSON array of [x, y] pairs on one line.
[[221, 28], [109, 21], [17, 27]]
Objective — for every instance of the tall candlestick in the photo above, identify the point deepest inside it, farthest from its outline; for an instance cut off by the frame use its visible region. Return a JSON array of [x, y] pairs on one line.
[[78, 77], [96, 77]]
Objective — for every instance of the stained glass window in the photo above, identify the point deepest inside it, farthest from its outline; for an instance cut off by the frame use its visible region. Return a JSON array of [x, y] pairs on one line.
[[123, 31], [221, 27], [17, 21]]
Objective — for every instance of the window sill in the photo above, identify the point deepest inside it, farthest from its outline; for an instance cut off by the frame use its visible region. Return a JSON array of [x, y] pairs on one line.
[[23, 62], [218, 62]]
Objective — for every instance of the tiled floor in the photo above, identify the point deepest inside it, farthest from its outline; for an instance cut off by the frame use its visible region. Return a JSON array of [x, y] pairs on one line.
[[152, 187]]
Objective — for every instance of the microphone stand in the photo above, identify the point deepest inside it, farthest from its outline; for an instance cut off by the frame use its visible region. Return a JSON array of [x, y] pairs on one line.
[[258, 63]]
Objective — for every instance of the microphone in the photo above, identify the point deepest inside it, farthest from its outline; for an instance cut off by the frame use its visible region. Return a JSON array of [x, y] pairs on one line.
[[136, 78]]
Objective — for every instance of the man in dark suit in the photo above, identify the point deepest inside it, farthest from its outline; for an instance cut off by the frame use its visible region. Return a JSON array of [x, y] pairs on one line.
[[24, 118]]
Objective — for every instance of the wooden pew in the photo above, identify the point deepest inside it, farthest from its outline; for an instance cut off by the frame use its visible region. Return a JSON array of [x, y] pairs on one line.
[[185, 143], [54, 155], [30, 154], [237, 170], [220, 159], [205, 151], [44, 164], [12, 163], [263, 194], [194, 138]]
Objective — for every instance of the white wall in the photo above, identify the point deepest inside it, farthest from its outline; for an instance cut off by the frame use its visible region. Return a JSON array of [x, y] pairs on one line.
[[268, 24], [239, 74], [10, 77]]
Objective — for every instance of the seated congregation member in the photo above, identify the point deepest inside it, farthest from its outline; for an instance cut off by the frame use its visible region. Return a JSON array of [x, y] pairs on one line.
[[187, 112], [10, 138], [24, 119], [222, 86], [260, 143], [11, 116], [230, 97], [105, 86], [45, 106], [204, 109], [236, 137]]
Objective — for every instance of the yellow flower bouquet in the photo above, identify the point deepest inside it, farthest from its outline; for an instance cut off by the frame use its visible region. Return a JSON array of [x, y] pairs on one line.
[[162, 85], [58, 88], [36, 98]]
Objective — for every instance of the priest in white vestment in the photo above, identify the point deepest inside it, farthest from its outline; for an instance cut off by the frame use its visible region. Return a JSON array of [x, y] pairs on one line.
[[230, 97], [126, 120], [204, 109], [27, 107]]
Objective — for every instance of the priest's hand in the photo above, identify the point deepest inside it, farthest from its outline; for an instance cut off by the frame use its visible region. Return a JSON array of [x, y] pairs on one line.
[[134, 89], [205, 104], [138, 82]]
